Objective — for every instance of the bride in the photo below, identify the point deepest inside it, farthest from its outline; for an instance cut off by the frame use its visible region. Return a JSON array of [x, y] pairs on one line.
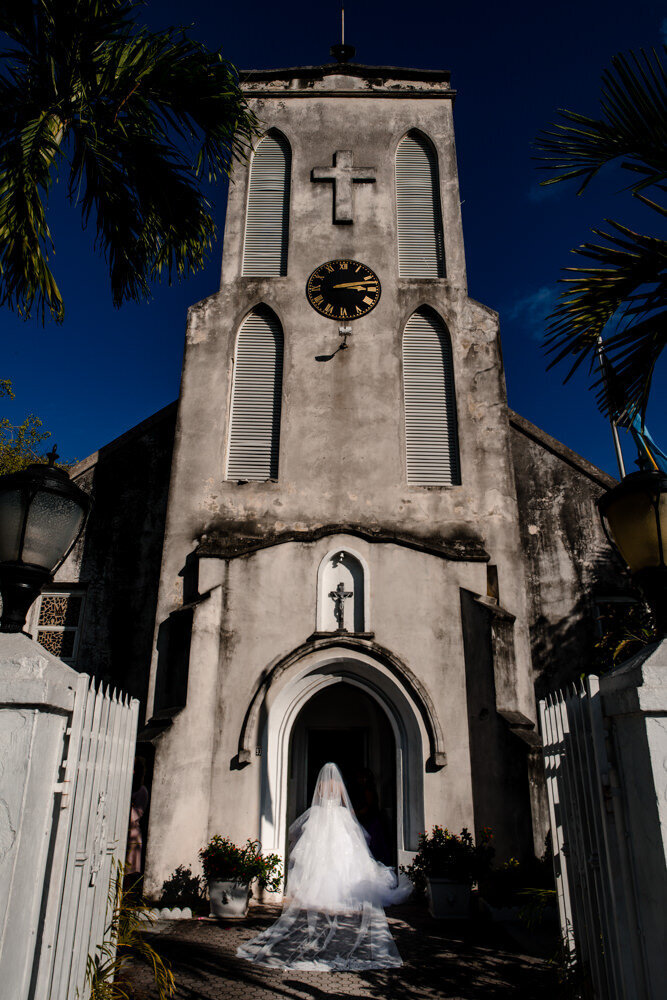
[[333, 917]]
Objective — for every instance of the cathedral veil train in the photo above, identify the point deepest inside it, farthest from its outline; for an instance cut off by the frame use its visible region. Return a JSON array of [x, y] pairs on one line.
[[333, 917]]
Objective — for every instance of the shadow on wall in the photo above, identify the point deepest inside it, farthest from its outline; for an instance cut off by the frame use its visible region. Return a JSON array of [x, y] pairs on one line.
[[563, 647], [121, 552], [505, 756], [499, 757]]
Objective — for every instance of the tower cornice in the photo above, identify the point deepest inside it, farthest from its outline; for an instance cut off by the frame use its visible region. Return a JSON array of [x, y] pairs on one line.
[[347, 69], [332, 78]]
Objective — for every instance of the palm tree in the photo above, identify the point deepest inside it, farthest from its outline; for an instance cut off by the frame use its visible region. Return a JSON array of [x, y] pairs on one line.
[[621, 291], [138, 119]]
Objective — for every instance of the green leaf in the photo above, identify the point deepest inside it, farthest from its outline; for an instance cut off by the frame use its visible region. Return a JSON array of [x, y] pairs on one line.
[[619, 296], [632, 128], [140, 117], [623, 298]]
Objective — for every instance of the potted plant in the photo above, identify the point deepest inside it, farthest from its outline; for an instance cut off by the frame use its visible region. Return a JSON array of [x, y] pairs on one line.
[[446, 865], [230, 870]]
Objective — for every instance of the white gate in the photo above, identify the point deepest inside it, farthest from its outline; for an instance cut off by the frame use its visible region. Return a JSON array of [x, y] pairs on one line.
[[592, 862], [88, 837]]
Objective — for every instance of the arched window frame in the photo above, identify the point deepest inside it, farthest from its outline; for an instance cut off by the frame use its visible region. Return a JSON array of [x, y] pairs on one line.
[[264, 310], [439, 264], [255, 270], [322, 597], [450, 401]]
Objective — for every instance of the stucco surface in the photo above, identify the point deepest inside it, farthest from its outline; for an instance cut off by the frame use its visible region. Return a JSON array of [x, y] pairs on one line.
[[341, 463], [342, 436], [253, 634], [568, 561], [117, 559]]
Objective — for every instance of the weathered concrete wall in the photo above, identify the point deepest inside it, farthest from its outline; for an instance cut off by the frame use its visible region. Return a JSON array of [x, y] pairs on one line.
[[567, 557], [117, 560], [341, 472], [342, 435], [200, 752], [498, 756]]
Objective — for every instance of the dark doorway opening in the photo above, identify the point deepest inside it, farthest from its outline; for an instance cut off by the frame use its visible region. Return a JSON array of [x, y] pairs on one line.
[[348, 748], [346, 726]]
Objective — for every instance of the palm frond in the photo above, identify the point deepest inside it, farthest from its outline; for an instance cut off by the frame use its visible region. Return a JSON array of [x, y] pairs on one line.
[[27, 156], [632, 128], [143, 116], [151, 217], [124, 940], [621, 295]]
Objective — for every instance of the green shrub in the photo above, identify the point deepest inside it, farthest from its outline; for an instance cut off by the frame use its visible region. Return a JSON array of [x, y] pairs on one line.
[[454, 856], [504, 885]]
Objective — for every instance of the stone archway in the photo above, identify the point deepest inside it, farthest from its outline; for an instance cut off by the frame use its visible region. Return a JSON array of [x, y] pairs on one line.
[[281, 712]]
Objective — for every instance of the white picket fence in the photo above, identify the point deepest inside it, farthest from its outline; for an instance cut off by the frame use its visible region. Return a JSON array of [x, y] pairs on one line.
[[592, 860], [88, 838]]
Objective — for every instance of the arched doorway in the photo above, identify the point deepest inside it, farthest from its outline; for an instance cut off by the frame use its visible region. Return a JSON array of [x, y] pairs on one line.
[[345, 725], [277, 707]]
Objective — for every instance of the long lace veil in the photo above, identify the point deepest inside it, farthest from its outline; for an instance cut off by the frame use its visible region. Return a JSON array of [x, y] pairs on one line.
[[333, 917]]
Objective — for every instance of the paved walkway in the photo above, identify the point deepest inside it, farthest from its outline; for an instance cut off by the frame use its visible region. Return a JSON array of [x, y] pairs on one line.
[[442, 959]]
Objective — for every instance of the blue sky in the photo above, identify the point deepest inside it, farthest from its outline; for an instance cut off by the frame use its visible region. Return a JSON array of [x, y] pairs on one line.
[[513, 65]]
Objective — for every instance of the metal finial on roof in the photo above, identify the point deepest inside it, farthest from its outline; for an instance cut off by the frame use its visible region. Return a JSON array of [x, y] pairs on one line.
[[342, 52]]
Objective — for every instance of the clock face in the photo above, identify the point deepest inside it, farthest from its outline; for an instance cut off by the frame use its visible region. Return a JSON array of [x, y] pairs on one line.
[[343, 290]]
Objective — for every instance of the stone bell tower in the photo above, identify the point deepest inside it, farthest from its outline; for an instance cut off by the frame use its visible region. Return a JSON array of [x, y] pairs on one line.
[[342, 574]]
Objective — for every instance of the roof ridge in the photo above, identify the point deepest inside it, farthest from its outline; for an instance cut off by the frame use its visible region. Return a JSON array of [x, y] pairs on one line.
[[555, 446]]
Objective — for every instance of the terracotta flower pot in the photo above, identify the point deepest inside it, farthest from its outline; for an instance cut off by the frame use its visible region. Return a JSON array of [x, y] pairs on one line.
[[228, 900], [448, 899]]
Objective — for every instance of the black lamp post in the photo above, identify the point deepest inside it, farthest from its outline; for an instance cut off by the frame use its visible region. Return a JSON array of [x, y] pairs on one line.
[[634, 517], [42, 514]]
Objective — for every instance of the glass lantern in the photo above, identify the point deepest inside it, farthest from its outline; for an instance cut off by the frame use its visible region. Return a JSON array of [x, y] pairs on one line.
[[42, 513], [634, 517]]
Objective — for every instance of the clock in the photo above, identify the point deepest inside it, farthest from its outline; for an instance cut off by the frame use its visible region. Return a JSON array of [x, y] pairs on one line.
[[343, 290]]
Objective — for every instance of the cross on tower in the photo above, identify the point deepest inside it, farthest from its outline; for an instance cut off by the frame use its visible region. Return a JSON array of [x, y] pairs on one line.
[[343, 174], [338, 596]]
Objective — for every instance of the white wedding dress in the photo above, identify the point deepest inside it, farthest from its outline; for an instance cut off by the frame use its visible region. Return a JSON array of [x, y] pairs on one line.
[[333, 917]]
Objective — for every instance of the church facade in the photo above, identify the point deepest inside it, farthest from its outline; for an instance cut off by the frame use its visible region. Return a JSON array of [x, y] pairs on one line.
[[342, 545]]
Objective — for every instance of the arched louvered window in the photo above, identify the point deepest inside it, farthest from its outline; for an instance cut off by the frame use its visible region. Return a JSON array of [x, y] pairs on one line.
[[421, 249], [267, 214], [254, 426], [431, 438]]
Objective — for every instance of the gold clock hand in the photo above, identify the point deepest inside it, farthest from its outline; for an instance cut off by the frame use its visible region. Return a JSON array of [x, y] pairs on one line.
[[356, 284]]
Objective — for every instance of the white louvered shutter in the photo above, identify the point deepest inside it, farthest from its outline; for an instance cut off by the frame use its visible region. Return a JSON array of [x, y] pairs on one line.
[[421, 252], [267, 214], [431, 438], [254, 432]]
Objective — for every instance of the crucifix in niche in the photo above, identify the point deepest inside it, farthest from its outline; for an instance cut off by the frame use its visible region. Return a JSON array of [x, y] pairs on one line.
[[339, 596], [343, 174]]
